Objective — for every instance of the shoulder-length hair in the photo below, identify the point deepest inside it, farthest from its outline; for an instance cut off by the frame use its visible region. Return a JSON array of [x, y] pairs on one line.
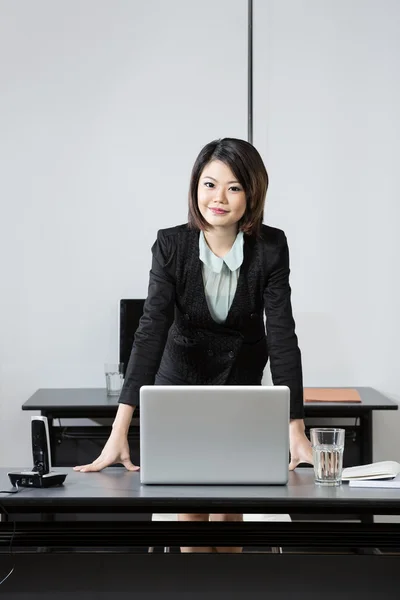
[[247, 165]]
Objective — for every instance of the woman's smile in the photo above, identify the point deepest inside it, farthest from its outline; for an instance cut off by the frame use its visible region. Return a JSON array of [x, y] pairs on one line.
[[218, 211]]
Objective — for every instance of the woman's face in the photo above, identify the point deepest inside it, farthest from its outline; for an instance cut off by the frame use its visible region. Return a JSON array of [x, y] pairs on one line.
[[221, 198]]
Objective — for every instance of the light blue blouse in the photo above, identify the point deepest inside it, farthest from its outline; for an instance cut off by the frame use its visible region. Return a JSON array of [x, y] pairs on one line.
[[220, 276]]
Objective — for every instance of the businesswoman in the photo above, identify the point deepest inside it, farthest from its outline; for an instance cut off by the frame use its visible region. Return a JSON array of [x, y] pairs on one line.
[[212, 281]]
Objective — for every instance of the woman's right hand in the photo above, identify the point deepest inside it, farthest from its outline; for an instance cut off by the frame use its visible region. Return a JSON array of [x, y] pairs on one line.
[[116, 450]]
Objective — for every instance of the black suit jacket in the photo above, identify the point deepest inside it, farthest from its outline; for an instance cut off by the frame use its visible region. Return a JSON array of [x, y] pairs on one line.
[[178, 342]]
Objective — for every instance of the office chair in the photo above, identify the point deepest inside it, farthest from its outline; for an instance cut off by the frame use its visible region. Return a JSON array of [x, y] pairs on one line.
[[246, 517]]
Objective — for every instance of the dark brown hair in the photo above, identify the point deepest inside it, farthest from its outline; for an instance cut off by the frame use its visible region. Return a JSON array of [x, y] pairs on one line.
[[248, 167]]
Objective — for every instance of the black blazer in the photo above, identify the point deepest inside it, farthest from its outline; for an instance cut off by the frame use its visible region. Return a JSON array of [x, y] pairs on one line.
[[178, 342]]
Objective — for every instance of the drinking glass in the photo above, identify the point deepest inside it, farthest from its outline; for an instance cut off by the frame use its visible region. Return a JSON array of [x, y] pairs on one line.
[[114, 378], [327, 446]]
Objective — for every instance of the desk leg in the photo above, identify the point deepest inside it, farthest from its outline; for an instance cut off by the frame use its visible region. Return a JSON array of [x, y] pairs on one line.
[[366, 450], [366, 438], [46, 517]]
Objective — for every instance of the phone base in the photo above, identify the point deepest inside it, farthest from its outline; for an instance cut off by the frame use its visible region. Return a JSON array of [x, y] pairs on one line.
[[33, 479]]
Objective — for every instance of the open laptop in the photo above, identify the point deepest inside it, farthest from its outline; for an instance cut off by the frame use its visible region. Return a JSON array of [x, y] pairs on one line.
[[214, 435]]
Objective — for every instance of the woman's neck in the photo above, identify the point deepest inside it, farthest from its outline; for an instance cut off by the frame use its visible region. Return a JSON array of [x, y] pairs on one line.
[[220, 239]]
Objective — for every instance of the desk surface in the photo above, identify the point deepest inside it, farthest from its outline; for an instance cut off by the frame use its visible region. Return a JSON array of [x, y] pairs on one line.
[[82, 401], [116, 489]]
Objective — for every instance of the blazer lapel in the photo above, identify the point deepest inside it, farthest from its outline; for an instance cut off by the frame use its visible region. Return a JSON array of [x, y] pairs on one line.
[[195, 287], [243, 296]]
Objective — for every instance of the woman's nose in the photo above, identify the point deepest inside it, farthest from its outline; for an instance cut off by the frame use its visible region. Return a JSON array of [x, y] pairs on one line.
[[220, 196]]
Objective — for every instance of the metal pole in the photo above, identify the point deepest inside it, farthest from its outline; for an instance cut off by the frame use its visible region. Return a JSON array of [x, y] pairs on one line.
[[250, 71]]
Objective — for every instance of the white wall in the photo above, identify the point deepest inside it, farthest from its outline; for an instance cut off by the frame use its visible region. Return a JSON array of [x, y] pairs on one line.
[[104, 106], [327, 121]]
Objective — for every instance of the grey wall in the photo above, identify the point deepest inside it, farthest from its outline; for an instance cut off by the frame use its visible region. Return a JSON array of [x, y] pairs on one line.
[[103, 108], [327, 120]]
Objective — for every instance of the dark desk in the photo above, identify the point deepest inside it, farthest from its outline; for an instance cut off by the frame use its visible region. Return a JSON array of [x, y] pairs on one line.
[[92, 557], [117, 490], [93, 403]]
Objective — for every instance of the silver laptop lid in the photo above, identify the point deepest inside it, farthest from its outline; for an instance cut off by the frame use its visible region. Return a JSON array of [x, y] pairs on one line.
[[214, 434]]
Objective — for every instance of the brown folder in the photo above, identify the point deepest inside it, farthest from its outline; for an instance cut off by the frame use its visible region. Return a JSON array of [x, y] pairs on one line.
[[331, 395]]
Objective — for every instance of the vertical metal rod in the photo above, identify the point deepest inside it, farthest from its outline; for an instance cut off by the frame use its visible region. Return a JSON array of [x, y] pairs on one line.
[[250, 71]]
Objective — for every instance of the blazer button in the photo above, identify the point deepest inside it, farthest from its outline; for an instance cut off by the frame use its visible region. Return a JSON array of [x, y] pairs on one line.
[[231, 354], [186, 317], [210, 353], [253, 315]]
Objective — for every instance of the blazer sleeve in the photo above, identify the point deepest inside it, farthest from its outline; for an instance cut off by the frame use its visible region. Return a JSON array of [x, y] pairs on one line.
[[284, 352], [158, 314]]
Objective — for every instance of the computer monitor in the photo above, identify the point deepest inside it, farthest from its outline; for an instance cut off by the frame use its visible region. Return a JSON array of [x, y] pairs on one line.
[[130, 311]]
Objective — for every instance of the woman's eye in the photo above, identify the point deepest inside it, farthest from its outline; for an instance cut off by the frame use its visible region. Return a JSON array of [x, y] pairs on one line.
[[235, 189], [209, 184]]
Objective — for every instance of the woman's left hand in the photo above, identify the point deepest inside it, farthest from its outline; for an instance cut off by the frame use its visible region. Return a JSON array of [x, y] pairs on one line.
[[300, 447]]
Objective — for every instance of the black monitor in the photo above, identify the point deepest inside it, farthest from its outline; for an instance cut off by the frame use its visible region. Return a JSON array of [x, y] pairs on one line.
[[130, 311]]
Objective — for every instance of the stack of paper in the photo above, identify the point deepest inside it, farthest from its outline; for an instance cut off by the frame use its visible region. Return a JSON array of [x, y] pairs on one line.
[[379, 474]]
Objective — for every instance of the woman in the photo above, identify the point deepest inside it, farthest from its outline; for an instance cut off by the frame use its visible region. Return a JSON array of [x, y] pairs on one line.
[[211, 282]]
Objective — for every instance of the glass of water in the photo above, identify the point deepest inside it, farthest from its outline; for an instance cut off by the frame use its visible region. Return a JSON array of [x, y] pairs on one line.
[[327, 446], [114, 378]]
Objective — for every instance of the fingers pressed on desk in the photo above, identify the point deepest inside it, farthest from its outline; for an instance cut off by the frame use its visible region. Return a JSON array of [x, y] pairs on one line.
[[130, 466], [98, 465], [84, 468]]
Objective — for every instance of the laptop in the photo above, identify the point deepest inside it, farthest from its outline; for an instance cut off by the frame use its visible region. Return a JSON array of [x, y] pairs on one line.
[[214, 435]]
